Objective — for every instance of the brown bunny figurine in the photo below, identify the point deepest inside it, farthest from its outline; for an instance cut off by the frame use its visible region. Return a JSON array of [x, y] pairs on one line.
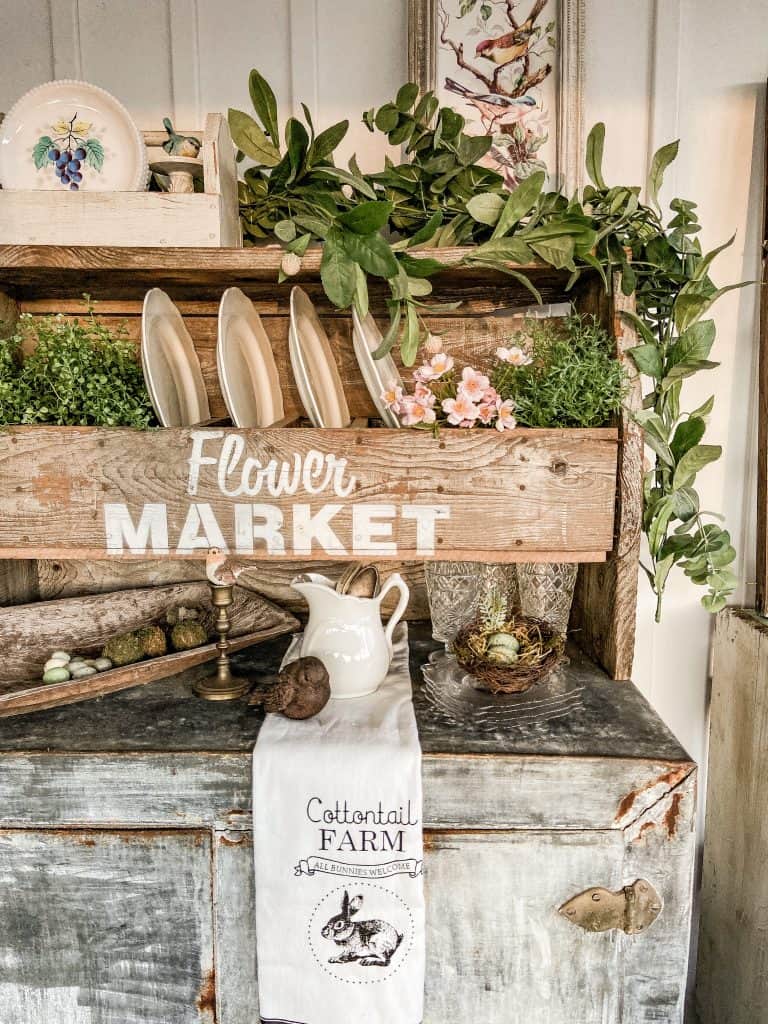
[[301, 691]]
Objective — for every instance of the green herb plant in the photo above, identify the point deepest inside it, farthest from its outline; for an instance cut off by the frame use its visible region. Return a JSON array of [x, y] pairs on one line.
[[441, 195], [573, 380], [78, 373]]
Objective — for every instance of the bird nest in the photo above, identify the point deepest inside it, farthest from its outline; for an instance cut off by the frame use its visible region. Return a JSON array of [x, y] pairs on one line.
[[541, 650]]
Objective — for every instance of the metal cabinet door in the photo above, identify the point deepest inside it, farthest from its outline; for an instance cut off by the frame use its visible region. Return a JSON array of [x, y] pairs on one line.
[[499, 951], [106, 927]]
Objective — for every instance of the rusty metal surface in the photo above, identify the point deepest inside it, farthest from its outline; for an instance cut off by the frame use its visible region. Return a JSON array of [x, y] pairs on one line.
[[101, 927]]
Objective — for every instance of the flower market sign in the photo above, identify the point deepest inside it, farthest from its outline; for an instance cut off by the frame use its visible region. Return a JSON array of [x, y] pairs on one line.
[[292, 493], [257, 521]]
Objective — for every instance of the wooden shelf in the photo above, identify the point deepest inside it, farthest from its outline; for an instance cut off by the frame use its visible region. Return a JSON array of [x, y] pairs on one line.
[[29, 271]]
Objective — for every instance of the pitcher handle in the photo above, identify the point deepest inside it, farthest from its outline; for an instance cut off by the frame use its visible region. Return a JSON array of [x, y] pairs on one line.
[[395, 580]]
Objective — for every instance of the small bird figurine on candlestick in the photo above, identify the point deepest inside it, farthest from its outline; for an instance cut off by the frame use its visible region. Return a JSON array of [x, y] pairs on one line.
[[222, 573]]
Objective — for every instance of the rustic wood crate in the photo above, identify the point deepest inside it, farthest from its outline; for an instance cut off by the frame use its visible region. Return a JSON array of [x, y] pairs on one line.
[[208, 218], [530, 495]]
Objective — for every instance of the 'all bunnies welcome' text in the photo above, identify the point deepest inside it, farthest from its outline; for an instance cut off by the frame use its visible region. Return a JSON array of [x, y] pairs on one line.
[[219, 461]]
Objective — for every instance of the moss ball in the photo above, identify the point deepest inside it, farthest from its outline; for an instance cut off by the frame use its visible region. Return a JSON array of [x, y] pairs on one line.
[[152, 640], [187, 635], [124, 649]]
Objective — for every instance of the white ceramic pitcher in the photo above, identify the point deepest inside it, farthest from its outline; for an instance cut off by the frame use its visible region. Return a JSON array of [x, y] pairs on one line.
[[346, 633]]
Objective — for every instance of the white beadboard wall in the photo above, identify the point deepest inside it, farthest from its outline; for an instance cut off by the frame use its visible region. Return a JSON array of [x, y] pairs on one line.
[[656, 69]]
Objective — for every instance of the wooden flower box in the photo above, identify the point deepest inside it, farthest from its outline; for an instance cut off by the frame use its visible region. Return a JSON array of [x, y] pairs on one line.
[[294, 493], [207, 218]]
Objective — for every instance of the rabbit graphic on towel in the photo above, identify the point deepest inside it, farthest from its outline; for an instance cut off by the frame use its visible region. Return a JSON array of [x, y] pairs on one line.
[[373, 943]]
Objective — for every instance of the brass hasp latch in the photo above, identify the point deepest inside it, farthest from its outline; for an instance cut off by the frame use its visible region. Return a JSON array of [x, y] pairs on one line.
[[631, 909]]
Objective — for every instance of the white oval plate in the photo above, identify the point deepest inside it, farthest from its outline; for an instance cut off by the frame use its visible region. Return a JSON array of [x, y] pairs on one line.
[[318, 380], [248, 373], [380, 375], [171, 368], [72, 116]]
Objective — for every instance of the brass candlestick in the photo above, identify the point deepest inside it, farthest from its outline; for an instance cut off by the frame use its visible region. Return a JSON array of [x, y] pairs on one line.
[[223, 685]]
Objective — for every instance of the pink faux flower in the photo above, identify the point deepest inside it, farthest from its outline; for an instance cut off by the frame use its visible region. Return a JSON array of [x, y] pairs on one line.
[[506, 415], [423, 396], [461, 411], [491, 396], [473, 384], [393, 398], [412, 412], [433, 344], [487, 412], [439, 364], [514, 355]]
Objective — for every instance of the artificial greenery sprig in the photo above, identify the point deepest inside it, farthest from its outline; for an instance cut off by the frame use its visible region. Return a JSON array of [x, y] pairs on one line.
[[297, 195], [572, 379], [79, 373]]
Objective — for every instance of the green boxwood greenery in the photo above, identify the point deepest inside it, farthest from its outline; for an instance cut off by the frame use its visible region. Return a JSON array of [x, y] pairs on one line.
[[78, 373], [574, 379]]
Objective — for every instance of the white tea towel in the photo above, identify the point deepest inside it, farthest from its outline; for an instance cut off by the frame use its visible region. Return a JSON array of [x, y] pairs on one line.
[[338, 847]]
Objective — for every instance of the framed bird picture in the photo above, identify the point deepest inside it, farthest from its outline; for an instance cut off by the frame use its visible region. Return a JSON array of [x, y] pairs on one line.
[[514, 70]]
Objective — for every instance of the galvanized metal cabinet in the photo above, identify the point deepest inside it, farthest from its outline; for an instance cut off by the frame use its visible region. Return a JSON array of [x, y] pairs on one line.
[[126, 860]]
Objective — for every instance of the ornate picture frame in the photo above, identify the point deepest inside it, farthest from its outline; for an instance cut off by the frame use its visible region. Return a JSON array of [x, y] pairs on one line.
[[427, 25]]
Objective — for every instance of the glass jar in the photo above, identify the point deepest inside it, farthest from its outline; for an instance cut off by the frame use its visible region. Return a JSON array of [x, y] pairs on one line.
[[546, 591], [454, 590]]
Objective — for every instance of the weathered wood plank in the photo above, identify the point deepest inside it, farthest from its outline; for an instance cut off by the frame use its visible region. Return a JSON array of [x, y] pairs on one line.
[[106, 926], [761, 592], [220, 178], [84, 492], [605, 604], [97, 218], [732, 981], [271, 579], [18, 582], [127, 271], [9, 315]]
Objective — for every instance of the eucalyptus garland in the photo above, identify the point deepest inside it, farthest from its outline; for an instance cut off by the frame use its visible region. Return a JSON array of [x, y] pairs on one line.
[[440, 194]]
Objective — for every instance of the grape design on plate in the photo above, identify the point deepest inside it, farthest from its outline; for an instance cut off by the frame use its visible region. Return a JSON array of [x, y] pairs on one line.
[[69, 151]]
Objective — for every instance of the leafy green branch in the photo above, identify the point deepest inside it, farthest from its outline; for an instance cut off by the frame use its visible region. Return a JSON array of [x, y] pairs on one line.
[[440, 195]]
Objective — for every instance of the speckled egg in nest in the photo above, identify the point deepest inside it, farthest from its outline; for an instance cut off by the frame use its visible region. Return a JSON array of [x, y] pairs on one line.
[[511, 659]]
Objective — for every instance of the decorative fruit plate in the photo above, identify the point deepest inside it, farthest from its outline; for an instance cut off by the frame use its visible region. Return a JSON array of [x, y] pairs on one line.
[[29, 633], [68, 136]]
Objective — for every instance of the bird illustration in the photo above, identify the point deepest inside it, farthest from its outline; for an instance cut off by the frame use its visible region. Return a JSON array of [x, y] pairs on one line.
[[513, 45], [221, 570], [491, 105], [179, 145]]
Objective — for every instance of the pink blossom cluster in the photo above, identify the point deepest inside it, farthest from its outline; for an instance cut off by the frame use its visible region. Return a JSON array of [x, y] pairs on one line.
[[471, 401]]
